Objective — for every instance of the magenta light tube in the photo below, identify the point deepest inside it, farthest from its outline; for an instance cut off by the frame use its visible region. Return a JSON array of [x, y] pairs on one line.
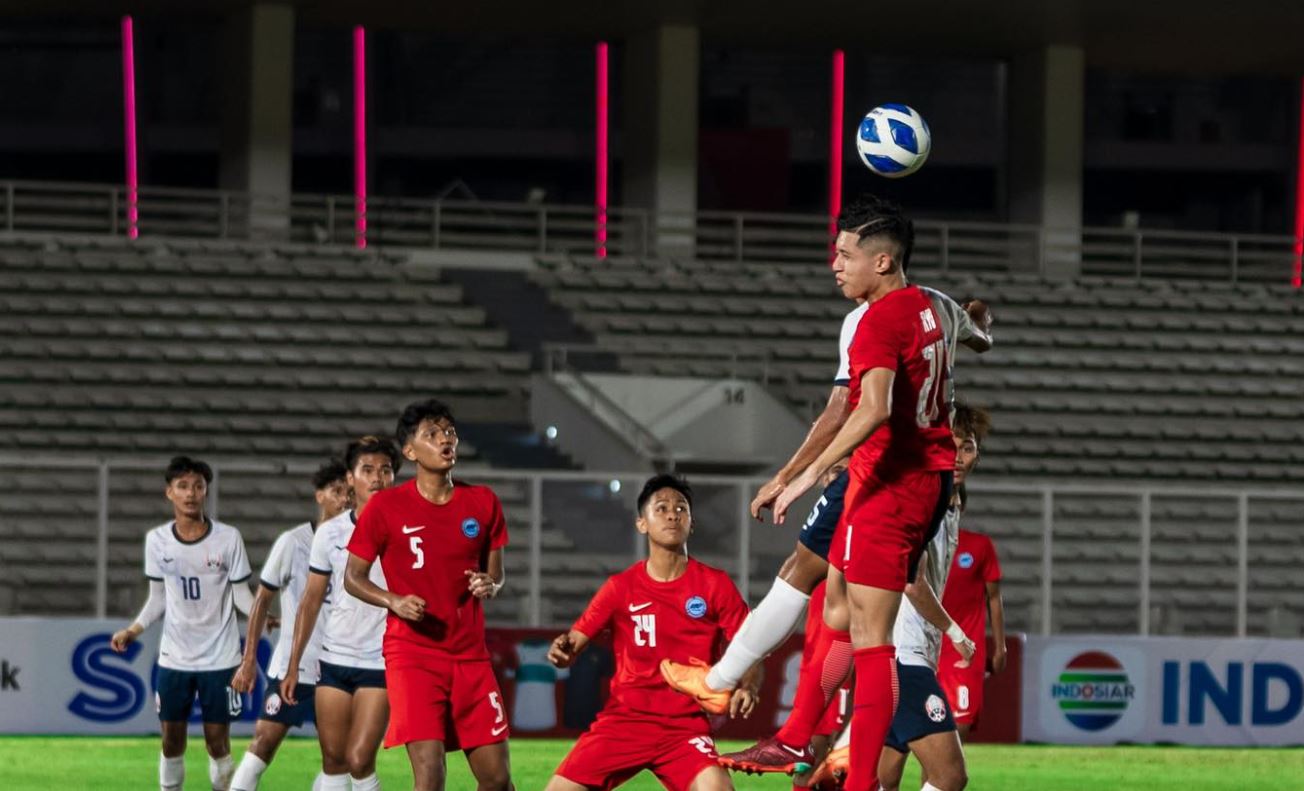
[[835, 139], [600, 153], [129, 123], [360, 135]]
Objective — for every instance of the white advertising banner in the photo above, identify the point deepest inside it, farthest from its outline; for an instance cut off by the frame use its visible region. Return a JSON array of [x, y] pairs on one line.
[[59, 675], [1105, 690]]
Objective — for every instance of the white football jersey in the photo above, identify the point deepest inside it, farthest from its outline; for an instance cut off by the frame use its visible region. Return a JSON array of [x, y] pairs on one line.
[[848, 334], [957, 327], [286, 570], [199, 628], [354, 631], [917, 641]]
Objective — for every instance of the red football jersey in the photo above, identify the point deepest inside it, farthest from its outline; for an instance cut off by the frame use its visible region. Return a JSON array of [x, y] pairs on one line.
[[965, 596], [425, 550], [688, 618], [902, 332]]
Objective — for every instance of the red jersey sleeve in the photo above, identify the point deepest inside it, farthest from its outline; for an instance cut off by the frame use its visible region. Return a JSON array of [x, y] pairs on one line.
[[497, 524], [729, 603], [368, 540], [878, 341], [597, 616], [991, 568]]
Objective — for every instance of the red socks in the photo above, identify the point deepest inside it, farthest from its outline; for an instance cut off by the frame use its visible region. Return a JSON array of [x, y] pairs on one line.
[[876, 702], [828, 667]]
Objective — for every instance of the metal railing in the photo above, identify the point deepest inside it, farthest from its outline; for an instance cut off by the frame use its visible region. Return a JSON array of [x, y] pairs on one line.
[[542, 229], [1237, 556]]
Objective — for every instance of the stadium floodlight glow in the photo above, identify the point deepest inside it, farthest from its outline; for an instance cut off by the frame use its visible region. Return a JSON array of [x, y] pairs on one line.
[[614, 486], [600, 153], [550, 432], [129, 124], [835, 140], [360, 135]]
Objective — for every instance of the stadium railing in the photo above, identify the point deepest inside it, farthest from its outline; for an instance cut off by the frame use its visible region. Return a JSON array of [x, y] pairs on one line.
[[459, 224], [1253, 535]]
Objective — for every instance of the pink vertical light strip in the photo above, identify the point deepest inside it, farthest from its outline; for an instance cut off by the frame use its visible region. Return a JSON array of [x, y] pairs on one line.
[[360, 135], [835, 139], [600, 153], [129, 124], [1299, 197]]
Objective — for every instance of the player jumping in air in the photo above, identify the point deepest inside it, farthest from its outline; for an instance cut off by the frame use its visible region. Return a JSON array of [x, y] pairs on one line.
[[286, 572], [440, 543], [350, 700], [197, 570], [778, 613], [667, 607]]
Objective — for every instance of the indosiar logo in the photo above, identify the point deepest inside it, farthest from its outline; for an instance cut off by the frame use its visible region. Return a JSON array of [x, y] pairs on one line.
[[118, 691], [1093, 691]]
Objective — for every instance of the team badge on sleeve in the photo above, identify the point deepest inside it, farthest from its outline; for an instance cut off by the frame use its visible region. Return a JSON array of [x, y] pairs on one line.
[[471, 527], [695, 607]]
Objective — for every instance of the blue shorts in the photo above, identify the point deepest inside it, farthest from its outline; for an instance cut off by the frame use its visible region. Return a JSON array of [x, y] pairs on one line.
[[175, 693], [817, 533], [922, 709], [350, 679], [275, 710]]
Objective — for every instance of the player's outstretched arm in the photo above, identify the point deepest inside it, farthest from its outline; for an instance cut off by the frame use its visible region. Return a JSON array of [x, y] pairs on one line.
[[924, 600], [155, 606], [314, 593], [981, 338], [243, 680], [821, 433], [996, 612], [565, 647], [873, 411]]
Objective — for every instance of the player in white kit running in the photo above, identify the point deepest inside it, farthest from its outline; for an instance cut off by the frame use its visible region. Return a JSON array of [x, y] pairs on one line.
[[286, 572], [197, 570], [351, 701]]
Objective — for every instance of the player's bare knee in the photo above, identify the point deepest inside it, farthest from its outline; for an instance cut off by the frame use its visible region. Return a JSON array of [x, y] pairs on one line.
[[361, 761], [499, 781]]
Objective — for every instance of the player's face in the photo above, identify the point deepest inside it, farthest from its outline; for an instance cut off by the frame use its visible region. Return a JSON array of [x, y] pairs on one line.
[[186, 493], [966, 456], [433, 445], [857, 268], [333, 498], [372, 472], [667, 518]]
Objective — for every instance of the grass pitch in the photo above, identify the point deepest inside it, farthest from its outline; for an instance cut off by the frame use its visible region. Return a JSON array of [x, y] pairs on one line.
[[121, 763]]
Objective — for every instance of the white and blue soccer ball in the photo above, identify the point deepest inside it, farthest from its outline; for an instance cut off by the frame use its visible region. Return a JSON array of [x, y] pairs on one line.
[[893, 140]]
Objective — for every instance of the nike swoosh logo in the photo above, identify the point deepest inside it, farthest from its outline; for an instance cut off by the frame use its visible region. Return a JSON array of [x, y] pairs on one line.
[[637, 607], [340, 548], [798, 753], [407, 530], [498, 730]]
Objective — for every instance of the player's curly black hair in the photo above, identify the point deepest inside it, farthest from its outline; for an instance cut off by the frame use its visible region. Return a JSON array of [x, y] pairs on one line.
[[372, 444], [416, 413], [664, 481], [971, 420], [184, 465], [872, 217], [332, 470]]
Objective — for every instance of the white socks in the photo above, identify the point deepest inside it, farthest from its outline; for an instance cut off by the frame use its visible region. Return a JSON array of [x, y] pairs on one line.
[[246, 777], [768, 626], [171, 772], [327, 782], [368, 783], [930, 787], [220, 771]]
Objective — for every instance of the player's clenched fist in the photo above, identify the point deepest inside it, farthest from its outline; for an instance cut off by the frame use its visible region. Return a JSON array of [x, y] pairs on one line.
[[409, 608], [979, 314], [122, 639], [481, 585], [562, 651]]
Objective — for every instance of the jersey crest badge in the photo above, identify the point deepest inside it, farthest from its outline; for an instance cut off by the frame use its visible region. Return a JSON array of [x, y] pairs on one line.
[[470, 527], [964, 560], [695, 607]]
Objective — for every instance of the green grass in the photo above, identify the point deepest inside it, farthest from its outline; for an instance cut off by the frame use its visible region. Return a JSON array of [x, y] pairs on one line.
[[109, 764]]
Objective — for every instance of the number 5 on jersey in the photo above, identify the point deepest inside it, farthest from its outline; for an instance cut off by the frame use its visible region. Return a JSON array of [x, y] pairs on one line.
[[419, 557]]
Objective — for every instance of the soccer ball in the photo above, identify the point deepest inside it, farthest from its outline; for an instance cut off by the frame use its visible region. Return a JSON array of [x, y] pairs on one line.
[[893, 140]]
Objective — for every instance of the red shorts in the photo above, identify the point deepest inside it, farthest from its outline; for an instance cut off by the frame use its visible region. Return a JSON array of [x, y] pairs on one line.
[[456, 702], [622, 743], [964, 689], [885, 527]]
